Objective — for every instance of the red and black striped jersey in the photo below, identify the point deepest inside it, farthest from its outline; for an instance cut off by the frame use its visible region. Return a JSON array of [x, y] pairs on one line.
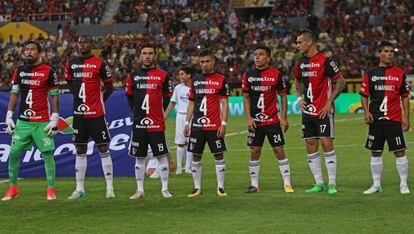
[[86, 75], [206, 92], [263, 87], [317, 75], [33, 84], [148, 87], [385, 86]]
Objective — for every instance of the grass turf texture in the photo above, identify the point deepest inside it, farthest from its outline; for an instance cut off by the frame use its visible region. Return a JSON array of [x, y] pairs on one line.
[[271, 210]]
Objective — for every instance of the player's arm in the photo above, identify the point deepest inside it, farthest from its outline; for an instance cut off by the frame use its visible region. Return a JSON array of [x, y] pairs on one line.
[[224, 114], [108, 90], [406, 116], [299, 87], [169, 109], [246, 104], [129, 92], [284, 124], [365, 106], [190, 110]]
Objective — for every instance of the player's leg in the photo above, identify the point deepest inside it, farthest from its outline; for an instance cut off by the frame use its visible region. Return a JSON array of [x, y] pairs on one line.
[[310, 135], [326, 133], [46, 144], [188, 160], [81, 136], [138, 148], [375, 143], [196, 145], [159, 147], [255, 142], [396, 144], [277, 141], [218, 147], [98, 131], [180, 141], [21, 140]]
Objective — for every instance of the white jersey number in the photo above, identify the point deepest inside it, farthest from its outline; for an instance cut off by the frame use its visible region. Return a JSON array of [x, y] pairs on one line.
[[82, 92], [145, 104], [383, 106], [309, 93], [260, 102], [203, 105], [29, 99]]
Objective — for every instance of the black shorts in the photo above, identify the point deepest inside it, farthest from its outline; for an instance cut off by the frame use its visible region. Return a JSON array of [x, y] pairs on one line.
[[141, 139], [95, 128], [273, 132], [382, 130], [313, 127], [198, 139]]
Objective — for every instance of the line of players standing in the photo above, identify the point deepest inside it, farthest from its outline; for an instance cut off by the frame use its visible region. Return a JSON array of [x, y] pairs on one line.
[[202, 110]]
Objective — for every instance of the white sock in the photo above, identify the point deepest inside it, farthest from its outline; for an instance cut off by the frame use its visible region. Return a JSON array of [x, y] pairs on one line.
[[180, 156], [107, 169], [139, 173], [314, 162], [164, 171], [330, 162], [220, 172], [402, 167], [188, 160], [285, 170], [254, 169], [376, 170], [80, 168], [196, 172]]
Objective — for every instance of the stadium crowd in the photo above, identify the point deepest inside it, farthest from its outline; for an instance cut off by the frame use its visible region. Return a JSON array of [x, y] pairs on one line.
[[348, 32], [80, 11]]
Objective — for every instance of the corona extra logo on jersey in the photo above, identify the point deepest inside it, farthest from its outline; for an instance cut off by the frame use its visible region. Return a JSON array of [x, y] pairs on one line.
[[87, 65], [261, 117], [31, 74], [206, 82], [309, 65]]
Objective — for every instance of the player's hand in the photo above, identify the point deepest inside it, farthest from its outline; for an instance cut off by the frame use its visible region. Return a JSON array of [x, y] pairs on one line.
[[51, 128], [325, 110], [405, 125], [186, 131], [368, 117], [165, 116], [284, 124], [10, 123], [301, 103], [251, 124], [221, 131]]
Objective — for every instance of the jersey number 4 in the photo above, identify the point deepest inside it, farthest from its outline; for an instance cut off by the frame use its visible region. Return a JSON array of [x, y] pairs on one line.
[[383, 106], [145, 104], [29, 99]]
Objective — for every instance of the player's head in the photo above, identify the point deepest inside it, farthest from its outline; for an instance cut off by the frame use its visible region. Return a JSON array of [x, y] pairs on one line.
[[85, 46], [32, 51], [385, 52], [148, 55], [306, 41], [186, 73], [206, 61], [262, 56]]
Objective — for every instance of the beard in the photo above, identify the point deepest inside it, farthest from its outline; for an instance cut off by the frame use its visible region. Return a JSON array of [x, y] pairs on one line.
[[30, 61]]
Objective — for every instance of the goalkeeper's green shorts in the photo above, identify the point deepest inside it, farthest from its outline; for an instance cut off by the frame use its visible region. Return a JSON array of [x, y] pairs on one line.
[[28, 133]]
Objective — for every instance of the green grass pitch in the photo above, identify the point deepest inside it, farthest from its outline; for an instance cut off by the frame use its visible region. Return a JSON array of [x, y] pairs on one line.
[[271, 210]]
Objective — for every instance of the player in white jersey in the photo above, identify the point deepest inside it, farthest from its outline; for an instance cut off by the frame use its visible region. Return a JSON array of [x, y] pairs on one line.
[[180, 100]]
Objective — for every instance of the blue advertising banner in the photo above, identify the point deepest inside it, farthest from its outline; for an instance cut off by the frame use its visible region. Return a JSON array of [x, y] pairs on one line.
[[119, 124]]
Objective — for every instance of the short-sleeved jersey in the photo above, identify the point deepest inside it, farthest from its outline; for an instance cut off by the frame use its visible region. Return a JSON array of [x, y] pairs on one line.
[[180, 97], [317, 75], [206, 92], [263, 87], [33, 84], [384, 86], [148, 88], [86, 75]]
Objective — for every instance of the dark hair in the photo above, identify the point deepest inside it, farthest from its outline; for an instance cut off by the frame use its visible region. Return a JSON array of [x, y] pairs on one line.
[[309, 34], [37, 44], [383, 44], [265, 48], [206, 52], [148, 45], [188, 69]]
